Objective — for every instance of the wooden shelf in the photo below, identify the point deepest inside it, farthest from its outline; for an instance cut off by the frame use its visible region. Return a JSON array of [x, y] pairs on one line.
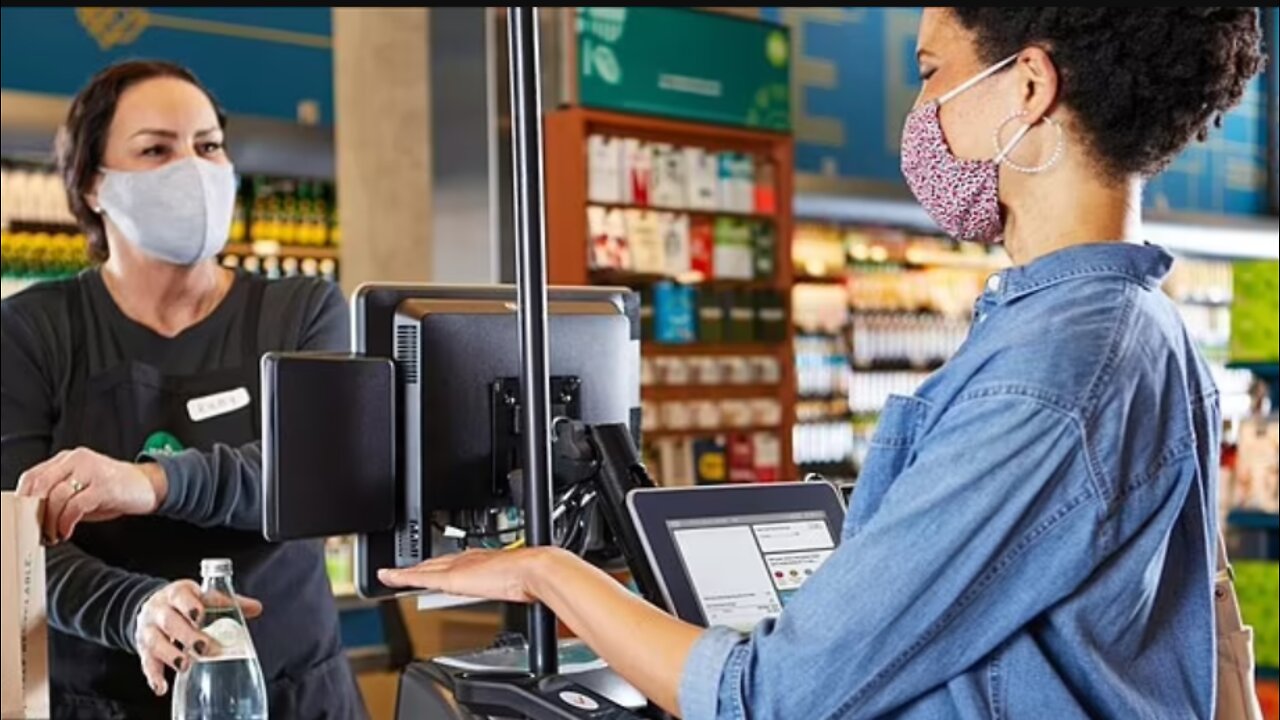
[[273, 250], [603, 277], [698, 432], [898, 366], [822, 280], [734, 214], [655, 349], [709, 392]]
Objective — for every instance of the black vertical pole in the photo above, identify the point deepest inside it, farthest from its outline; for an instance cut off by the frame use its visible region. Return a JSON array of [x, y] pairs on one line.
[[531, 283]]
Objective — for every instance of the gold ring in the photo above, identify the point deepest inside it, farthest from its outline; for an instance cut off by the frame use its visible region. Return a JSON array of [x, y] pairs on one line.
[[76, 486]]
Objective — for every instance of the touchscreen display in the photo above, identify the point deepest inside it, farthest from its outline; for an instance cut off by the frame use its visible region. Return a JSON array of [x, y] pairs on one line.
[[744, 569]]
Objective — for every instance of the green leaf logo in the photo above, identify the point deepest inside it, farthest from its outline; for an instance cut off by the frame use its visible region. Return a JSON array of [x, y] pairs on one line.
[[776, 49]]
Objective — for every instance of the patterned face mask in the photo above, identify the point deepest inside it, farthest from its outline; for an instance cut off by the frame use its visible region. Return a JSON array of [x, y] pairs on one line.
[[961, 196]]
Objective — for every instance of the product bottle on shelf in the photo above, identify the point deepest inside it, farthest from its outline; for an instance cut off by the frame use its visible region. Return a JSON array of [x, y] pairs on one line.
[[225, 682]]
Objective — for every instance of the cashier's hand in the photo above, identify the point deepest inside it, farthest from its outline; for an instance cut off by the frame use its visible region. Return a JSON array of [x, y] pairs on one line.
[[167, 630], [490, 574], [81, 484]]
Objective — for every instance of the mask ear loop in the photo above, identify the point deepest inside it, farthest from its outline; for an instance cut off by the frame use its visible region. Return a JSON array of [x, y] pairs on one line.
[[945, 97], [1003, 151]]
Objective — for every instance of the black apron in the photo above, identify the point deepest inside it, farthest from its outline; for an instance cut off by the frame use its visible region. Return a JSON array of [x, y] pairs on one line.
[[116, 412]]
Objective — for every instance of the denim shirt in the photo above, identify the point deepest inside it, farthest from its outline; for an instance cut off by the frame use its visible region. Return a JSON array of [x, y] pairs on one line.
[[1031, 536]]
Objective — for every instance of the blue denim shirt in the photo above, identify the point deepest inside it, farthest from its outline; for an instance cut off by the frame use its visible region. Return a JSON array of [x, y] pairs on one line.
[[1031, 535]]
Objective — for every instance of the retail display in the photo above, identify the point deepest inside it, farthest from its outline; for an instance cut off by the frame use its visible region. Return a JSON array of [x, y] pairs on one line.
[[225, 682], [281, 227], [696, 218]]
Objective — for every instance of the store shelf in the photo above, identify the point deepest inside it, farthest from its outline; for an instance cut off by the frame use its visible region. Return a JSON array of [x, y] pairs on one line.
[[703, 432], [701, 213], [822, 280], [1268, 674], [708, 392], [49, 228], [647, 279], [1250, 520], [657, 349], [898, 366], [268, 249]]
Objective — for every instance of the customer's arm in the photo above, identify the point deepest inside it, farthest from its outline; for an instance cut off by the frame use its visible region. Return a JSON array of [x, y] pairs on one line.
[[995, 519]]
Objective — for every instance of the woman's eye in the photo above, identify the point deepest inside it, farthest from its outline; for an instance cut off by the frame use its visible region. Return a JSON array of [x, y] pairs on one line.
[[155, 151], [926, 73], [210, 148]]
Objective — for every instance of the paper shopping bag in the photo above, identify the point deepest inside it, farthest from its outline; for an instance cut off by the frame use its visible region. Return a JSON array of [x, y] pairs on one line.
[[24, 631]]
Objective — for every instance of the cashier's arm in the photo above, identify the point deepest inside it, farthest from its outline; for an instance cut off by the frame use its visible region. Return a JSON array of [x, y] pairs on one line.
[[640, 642]]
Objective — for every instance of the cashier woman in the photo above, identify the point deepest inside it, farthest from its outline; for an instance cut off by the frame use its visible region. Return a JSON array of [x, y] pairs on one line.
[[1032, 535], [129, 401]]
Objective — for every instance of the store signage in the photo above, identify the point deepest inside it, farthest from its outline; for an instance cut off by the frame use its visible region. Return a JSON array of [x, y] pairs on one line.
[[687, 64], [270, 62]]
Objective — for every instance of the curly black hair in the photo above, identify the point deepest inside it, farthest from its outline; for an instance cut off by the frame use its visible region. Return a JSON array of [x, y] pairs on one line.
[[1141, 83]]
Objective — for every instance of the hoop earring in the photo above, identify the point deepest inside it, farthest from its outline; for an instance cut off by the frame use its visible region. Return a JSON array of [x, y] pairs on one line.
[[1003, 151]]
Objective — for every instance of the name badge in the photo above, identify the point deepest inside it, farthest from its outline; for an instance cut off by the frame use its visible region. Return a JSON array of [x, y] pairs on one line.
[[211, 406]]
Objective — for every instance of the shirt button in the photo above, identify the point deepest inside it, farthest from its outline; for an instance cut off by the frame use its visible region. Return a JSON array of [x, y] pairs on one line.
[[993, 283]]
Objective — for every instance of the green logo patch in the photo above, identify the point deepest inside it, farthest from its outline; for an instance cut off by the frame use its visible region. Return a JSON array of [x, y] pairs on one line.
[[161, 443]]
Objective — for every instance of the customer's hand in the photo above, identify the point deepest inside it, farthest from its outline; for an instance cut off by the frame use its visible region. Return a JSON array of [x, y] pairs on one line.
[[490, 574], [81, 484], [167, 630]]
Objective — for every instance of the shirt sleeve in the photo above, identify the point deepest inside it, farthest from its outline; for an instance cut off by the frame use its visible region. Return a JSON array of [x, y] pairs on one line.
[[965, 549], [86, 597], [222, 487]]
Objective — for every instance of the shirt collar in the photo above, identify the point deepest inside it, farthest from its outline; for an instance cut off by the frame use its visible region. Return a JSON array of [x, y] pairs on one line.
[[1145, 264]]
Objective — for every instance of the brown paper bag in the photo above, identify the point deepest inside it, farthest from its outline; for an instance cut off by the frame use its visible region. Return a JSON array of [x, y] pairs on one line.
[[24, 632]]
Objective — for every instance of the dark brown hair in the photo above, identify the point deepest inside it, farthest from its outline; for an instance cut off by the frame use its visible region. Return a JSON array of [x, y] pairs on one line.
[[83, 138], [1142, 82]]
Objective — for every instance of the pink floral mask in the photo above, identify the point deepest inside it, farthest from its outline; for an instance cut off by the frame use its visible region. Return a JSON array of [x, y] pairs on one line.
[[961, 196]]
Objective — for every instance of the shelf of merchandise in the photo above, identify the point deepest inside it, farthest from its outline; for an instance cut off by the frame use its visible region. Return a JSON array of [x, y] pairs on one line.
[[710, 432], [709, 392], [566, 135], [1249, 520], [269, 249]]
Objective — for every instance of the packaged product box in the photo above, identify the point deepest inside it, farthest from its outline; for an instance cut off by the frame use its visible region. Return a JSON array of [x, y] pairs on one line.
[[674, 228], [767, 453], [674, 313], [741, 314], [766, 192], [604, 169], [734, 259], [702, 246], [725, 181], [742, 463], [702, 178], [711, 316], [670, 185], [637, 171], [646, 315], [770, 317], [737, 182], [677, 463], [24, 627], [764, 247], [607, 247], [706, 415], [644, 241], [710, 462]]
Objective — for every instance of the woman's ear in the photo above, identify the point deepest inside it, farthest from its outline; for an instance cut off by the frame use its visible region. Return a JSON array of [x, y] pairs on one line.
[[91, 197], [1038, 84]]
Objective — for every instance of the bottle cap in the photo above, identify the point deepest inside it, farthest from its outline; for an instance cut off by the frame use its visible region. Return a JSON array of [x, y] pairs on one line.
[[215, 567]]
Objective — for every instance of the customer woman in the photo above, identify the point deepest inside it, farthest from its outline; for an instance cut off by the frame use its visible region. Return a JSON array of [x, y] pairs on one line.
[[1032, 535], [152, 355]]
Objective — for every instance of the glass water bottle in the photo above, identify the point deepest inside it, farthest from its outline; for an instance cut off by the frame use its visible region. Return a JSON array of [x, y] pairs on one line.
[[225, 683]]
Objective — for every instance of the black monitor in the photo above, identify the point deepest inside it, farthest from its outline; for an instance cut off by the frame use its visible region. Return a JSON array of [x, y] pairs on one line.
[[457, 368]]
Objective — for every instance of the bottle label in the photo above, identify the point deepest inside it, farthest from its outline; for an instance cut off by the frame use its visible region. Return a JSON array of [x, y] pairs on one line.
[[232, 638]]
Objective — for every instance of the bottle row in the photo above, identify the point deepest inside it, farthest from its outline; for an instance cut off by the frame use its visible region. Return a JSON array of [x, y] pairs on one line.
[[282, 265], [34, 195], [679, 245], [714, 459], [677, 314], [829, 250], [823, 443], [886, 340], [41, 254], [709, 371], [870, 391], [1200, 281], [822, 367], [684, 415], [287, 211], [628, 171]]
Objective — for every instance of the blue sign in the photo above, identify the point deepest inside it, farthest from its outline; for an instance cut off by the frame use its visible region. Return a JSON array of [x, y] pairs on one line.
[[855, 78], [270, 62]]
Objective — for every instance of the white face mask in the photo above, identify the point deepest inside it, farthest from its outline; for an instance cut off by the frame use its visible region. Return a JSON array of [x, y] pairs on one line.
[[179, 213]]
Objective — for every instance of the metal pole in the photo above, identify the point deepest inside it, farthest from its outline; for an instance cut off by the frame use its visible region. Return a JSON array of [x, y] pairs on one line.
[[531, 284]]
